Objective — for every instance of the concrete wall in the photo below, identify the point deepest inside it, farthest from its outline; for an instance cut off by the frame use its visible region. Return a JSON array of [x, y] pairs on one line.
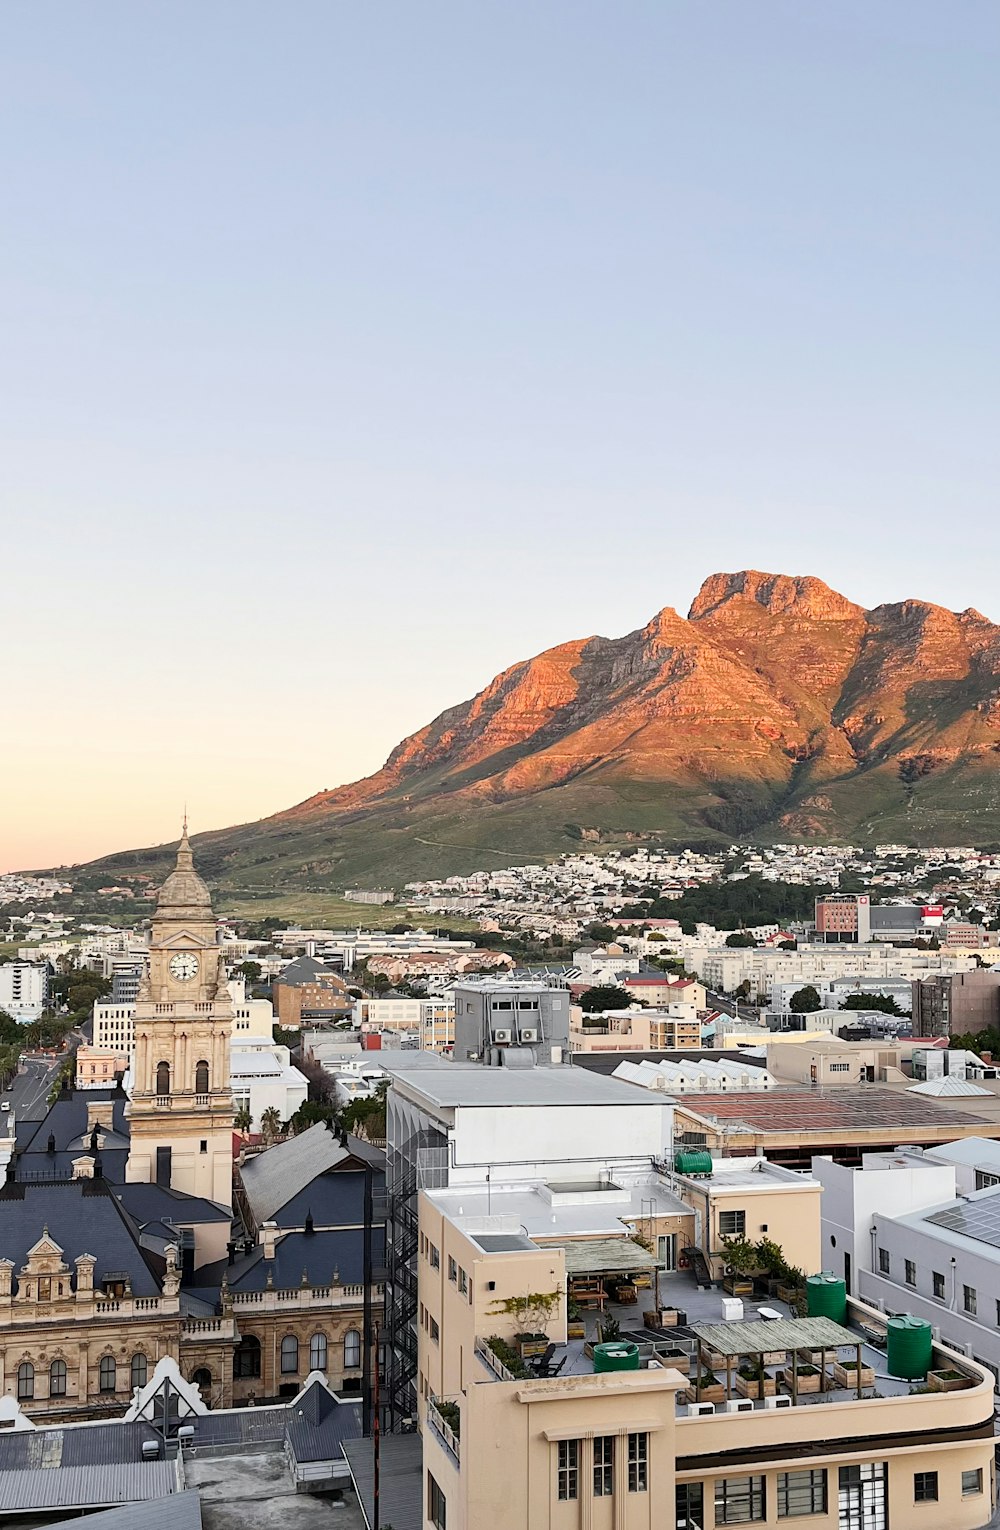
[[852, 1197]]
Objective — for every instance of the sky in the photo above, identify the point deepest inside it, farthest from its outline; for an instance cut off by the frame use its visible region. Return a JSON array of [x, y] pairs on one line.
[[351, 353]]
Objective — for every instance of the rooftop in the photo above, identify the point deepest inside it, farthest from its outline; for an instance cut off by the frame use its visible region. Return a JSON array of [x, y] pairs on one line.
[[455, 1084], [820, 1111]]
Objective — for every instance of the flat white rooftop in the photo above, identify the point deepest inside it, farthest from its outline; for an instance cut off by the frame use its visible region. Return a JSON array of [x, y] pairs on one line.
[[455, 1084], [529, 1208]]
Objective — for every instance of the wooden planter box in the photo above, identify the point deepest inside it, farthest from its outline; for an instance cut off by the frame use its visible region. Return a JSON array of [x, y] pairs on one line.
[[787, 1293], [939, 1381], [576, 1330], [738, 1285], [716, 1394], [535, 1344], [844, 1376], [753, 1388], [806, 1383]]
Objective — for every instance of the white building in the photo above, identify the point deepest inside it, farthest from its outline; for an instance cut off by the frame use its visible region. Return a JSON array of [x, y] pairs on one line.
[[24, 989], [263, 1078]]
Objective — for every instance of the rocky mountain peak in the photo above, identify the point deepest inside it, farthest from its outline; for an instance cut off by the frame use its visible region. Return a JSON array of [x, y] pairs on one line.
[[780, 594]]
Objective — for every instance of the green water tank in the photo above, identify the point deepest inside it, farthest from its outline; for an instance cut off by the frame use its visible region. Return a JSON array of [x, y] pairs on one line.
[[826, 1296], [693, 1161], [909, 1347], [616, 1356]]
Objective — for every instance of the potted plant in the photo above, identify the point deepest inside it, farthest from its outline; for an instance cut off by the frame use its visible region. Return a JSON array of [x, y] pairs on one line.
[[753, 1381], [531, 1344], [809, 1377], [741, 1259], [711, 1389], [791, 1287], [846, 1374], [947, 1381], [575, 1326]]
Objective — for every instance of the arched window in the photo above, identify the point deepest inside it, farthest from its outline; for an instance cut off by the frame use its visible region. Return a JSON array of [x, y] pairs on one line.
[[163, 1078], [25, 1380], [108, 1373], [352, 1349], [57, 1378], [289, 1355], [140, 1369], [201, 1077], [202, 1378], [317, 1352], [246, 1360]]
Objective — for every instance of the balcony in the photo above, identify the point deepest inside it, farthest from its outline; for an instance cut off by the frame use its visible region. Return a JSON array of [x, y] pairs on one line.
[[445, 1419]]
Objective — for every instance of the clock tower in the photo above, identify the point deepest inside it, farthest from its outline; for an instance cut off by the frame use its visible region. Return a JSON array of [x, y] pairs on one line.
[[181, 1110]]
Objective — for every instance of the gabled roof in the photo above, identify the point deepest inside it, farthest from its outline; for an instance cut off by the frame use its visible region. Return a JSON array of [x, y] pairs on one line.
[[271, 1179], [306, 969], [82, 1218]]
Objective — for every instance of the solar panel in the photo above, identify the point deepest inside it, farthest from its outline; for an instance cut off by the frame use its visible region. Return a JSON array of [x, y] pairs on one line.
[[819, 1110], [979, 1220]]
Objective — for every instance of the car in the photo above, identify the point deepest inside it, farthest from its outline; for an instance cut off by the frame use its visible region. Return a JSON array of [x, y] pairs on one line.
[[4, 1105]]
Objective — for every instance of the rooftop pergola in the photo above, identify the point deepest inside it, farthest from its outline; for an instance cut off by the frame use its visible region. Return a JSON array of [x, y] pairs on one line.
[[735, 1340]]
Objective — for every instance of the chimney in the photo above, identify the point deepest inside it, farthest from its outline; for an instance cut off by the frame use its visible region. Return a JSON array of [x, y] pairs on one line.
[[269, 1237]]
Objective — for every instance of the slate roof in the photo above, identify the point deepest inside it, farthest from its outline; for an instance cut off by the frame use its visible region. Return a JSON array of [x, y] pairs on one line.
[[319, 1424], [317, 1254], [67, 1122], [155, 1203], [306, 969], [273, 1178], [333, 1199], [82, 1218]]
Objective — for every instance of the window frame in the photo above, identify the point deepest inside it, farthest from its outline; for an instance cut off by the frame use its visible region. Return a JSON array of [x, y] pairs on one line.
[[910, 1272], [789, 1494], [937, 1289], [247, 1359], [732, 1224], [976, 1473], [730, 1494], [318, 1345], [883, 1261], [568, 1471], [925, 1487], [638, 1462], [352, 1346], [437, 1504], [25, 1381], [134, 1365], [693, 1505], [58, 1373], [603, 1464], [288, 1355], [107, 1374], [970, 1299]]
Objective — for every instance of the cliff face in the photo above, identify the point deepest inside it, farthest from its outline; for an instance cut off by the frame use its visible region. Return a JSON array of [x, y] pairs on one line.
[[775, 707]]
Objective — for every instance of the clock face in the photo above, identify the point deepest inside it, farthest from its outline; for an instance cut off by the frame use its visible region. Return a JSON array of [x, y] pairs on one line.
[[184, 966]]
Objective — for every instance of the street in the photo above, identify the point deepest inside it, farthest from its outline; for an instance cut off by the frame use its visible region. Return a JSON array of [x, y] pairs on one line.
[[29, 1091]]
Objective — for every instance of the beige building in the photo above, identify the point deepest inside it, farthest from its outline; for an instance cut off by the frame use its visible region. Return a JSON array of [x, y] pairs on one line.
[[834, 1063], [631, 1450], [634, 1030], [753, 1199], [181, 1111], [97, 1069], [433, 1020]]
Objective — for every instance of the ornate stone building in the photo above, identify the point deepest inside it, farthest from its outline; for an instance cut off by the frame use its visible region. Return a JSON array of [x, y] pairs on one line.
[[118, 1243], [181, 1112]]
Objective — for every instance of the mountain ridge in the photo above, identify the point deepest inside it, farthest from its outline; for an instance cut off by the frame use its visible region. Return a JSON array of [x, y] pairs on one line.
[[777, 708]]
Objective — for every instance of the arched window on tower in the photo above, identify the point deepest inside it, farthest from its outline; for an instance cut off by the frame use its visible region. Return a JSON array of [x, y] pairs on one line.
[[163, 1078], [201, 1077]]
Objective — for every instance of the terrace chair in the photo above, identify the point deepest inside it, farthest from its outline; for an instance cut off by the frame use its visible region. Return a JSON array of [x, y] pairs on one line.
[[540, 1363], [555, 1371]]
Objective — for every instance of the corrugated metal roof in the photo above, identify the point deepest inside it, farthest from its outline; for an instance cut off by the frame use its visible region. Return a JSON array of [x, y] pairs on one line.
[[787, 1333], [84, 1487], [401, 1466], [181, 1511]]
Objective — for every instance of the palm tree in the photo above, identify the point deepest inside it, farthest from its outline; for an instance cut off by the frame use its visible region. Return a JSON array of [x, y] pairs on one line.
[[270, 1124], [243, 1120]]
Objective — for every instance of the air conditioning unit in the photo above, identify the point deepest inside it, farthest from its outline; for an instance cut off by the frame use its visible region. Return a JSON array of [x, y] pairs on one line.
[[150, 1450], [740, 1405], [777, 1402], [501, 1035], [186, 1434], [529, 1035], [699, 1410]]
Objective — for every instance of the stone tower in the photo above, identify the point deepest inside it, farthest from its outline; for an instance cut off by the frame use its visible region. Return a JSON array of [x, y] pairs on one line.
[[181, 1110]]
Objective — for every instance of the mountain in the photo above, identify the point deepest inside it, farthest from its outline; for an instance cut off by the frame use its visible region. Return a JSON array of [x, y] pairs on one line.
[[777, 709]]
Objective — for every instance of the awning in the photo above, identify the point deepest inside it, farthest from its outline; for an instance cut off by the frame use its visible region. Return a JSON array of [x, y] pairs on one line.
[[606, 1256], [742, 1338]]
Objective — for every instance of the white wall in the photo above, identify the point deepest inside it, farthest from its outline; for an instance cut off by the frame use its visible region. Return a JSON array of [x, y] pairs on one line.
[[557, 1141], [853, 1197]]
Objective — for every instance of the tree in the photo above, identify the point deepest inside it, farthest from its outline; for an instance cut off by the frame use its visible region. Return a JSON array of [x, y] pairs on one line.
[[606, 997], [270, 1124], [805, 1001], [740, 938], [243, 1120], [309, 1113], [884, 1002], [249, 970], [601, 932]]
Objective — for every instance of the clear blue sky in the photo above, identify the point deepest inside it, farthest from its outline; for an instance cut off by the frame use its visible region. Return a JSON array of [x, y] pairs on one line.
[[352, 352]]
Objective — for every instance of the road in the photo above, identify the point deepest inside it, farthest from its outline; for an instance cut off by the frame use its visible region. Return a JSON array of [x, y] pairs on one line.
[[729, 1006], [29, 1091]]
